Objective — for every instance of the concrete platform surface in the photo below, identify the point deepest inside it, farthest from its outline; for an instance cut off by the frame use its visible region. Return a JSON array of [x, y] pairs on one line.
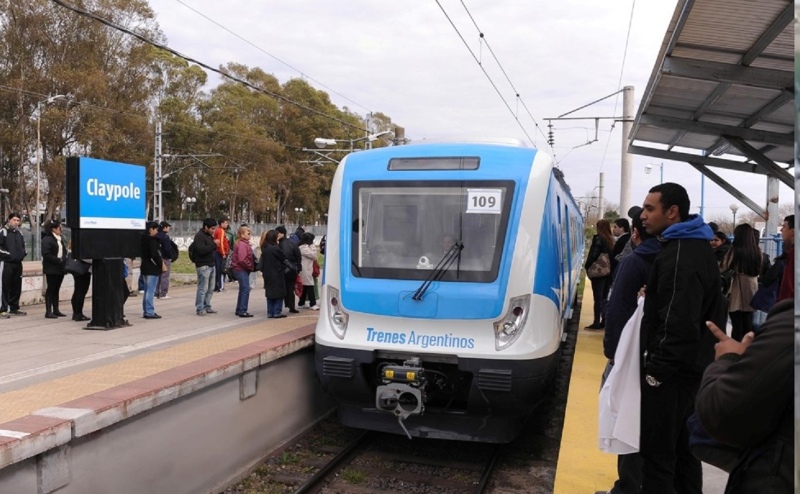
[[582, 467]]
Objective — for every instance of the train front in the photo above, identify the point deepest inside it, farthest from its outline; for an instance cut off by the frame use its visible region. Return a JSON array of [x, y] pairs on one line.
[[429, 324]]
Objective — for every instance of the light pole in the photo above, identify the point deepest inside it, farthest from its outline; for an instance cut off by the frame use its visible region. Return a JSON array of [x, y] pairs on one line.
[[299, 212], [190, 202], [3, 193], [649, 167], [734, 207], [51, 99]]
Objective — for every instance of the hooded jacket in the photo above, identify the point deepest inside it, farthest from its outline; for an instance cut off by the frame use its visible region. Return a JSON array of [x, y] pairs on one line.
[[151, 256], [747, 401], [12, 245], [683, 292], [631, 274]]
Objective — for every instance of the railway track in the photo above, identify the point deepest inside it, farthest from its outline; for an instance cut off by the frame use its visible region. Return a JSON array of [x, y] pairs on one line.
[[372, 461]]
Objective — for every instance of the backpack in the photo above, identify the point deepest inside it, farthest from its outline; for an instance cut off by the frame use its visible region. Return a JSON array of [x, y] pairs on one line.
[[191, 252]]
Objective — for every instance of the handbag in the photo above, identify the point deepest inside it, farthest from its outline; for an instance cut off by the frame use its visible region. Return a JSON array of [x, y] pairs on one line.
[[260, 264], [601, 267], [298, 286], [226, 264], [77, 267], [315, 269]]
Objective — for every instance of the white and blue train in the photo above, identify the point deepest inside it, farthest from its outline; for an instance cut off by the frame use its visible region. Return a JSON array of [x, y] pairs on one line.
[[450, 274]]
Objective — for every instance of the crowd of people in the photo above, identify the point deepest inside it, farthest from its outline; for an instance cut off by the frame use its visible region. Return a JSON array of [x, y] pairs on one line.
[[739, 385], [289, 266]]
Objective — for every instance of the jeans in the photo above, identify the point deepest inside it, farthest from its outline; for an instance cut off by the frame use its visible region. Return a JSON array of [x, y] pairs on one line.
[[274, 307], [205, 287], [150, 282], [219, 280], [163, 280], [253, 279], [243, 280]]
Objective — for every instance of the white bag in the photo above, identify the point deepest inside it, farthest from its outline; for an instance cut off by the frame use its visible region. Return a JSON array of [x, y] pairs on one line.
[[620, 397]]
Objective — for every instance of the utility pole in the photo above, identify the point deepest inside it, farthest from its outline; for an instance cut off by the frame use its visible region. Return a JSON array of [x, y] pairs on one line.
[[600, 205], [157, 179], [626, 161]]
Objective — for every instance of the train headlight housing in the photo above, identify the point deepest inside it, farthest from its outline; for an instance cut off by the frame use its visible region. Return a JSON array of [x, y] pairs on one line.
[[508, 329], [337, 316]]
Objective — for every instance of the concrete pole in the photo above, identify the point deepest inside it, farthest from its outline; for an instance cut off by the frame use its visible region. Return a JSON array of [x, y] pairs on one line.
[[773, 220], [600, 205], [626, 158], [157, 177]]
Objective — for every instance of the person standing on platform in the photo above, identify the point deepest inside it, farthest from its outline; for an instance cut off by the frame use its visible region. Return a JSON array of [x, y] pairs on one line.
[[242, 264], [293, 266], [746, 400], [168, 253], [682, 293], [82, 283], [204, 247], [631, 275], [54, 258], [221, 253], [744, 258], [152, 267], [786, 290], [622, 232], [12, 253], [602, 243], [272, 268], [308, 251]]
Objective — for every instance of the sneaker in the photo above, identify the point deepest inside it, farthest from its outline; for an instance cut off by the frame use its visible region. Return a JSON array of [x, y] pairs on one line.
[[152, 316], [4, 315], [201, 313], [314, 307], [210, 311], [19, 313], [595, 327], [303, 306], [279, 316], [164, 297], [245, 314]]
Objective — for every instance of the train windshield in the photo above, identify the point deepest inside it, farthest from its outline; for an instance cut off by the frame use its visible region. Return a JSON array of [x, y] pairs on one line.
[[402, 230]]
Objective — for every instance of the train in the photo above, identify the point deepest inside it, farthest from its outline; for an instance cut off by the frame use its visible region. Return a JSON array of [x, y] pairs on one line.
[[450, 274]]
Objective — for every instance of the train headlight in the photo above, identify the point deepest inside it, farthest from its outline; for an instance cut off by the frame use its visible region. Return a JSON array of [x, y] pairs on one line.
[[337, 316], [508, 329]]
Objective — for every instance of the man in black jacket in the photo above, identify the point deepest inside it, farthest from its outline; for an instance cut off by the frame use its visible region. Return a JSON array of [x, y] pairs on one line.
[[151, 268], [12, 252], [683, 292], [204, 247], [293, 266], [746, 400]]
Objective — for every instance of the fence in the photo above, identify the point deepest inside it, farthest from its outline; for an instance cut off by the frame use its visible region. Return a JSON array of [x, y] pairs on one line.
[[182, 232]]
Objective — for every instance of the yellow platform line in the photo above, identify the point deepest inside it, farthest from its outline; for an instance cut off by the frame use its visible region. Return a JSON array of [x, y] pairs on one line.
[[19, 403], [582, 467]]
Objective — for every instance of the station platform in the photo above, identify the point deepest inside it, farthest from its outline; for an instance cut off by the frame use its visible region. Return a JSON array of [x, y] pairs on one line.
[[61, 384], [582, 467]]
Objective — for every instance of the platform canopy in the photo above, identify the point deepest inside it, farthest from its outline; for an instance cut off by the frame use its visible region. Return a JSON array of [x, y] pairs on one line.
[[721, 93]]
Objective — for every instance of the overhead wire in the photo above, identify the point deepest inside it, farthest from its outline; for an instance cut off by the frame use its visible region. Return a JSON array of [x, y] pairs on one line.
[[503, 70], [619, 83], [271, 55], [477, 60], [166, 48]]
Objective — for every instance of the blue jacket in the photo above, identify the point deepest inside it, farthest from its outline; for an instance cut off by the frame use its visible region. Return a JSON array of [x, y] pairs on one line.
[[631, 274], [683, 292]]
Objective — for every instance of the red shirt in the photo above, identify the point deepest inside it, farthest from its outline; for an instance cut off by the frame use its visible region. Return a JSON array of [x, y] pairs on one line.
[[223, 248]]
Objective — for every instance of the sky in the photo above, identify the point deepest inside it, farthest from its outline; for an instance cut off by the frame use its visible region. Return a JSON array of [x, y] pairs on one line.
[[418, 63]]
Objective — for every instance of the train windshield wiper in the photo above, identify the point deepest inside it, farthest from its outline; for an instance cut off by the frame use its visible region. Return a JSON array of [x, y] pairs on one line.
[[440, 269]]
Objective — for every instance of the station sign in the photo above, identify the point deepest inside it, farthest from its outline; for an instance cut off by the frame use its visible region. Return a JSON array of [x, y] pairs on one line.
[[111, 195]]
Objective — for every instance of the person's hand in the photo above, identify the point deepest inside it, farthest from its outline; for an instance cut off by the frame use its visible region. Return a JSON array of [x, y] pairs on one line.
[[727, 344], [642, 291], [216, 241]]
